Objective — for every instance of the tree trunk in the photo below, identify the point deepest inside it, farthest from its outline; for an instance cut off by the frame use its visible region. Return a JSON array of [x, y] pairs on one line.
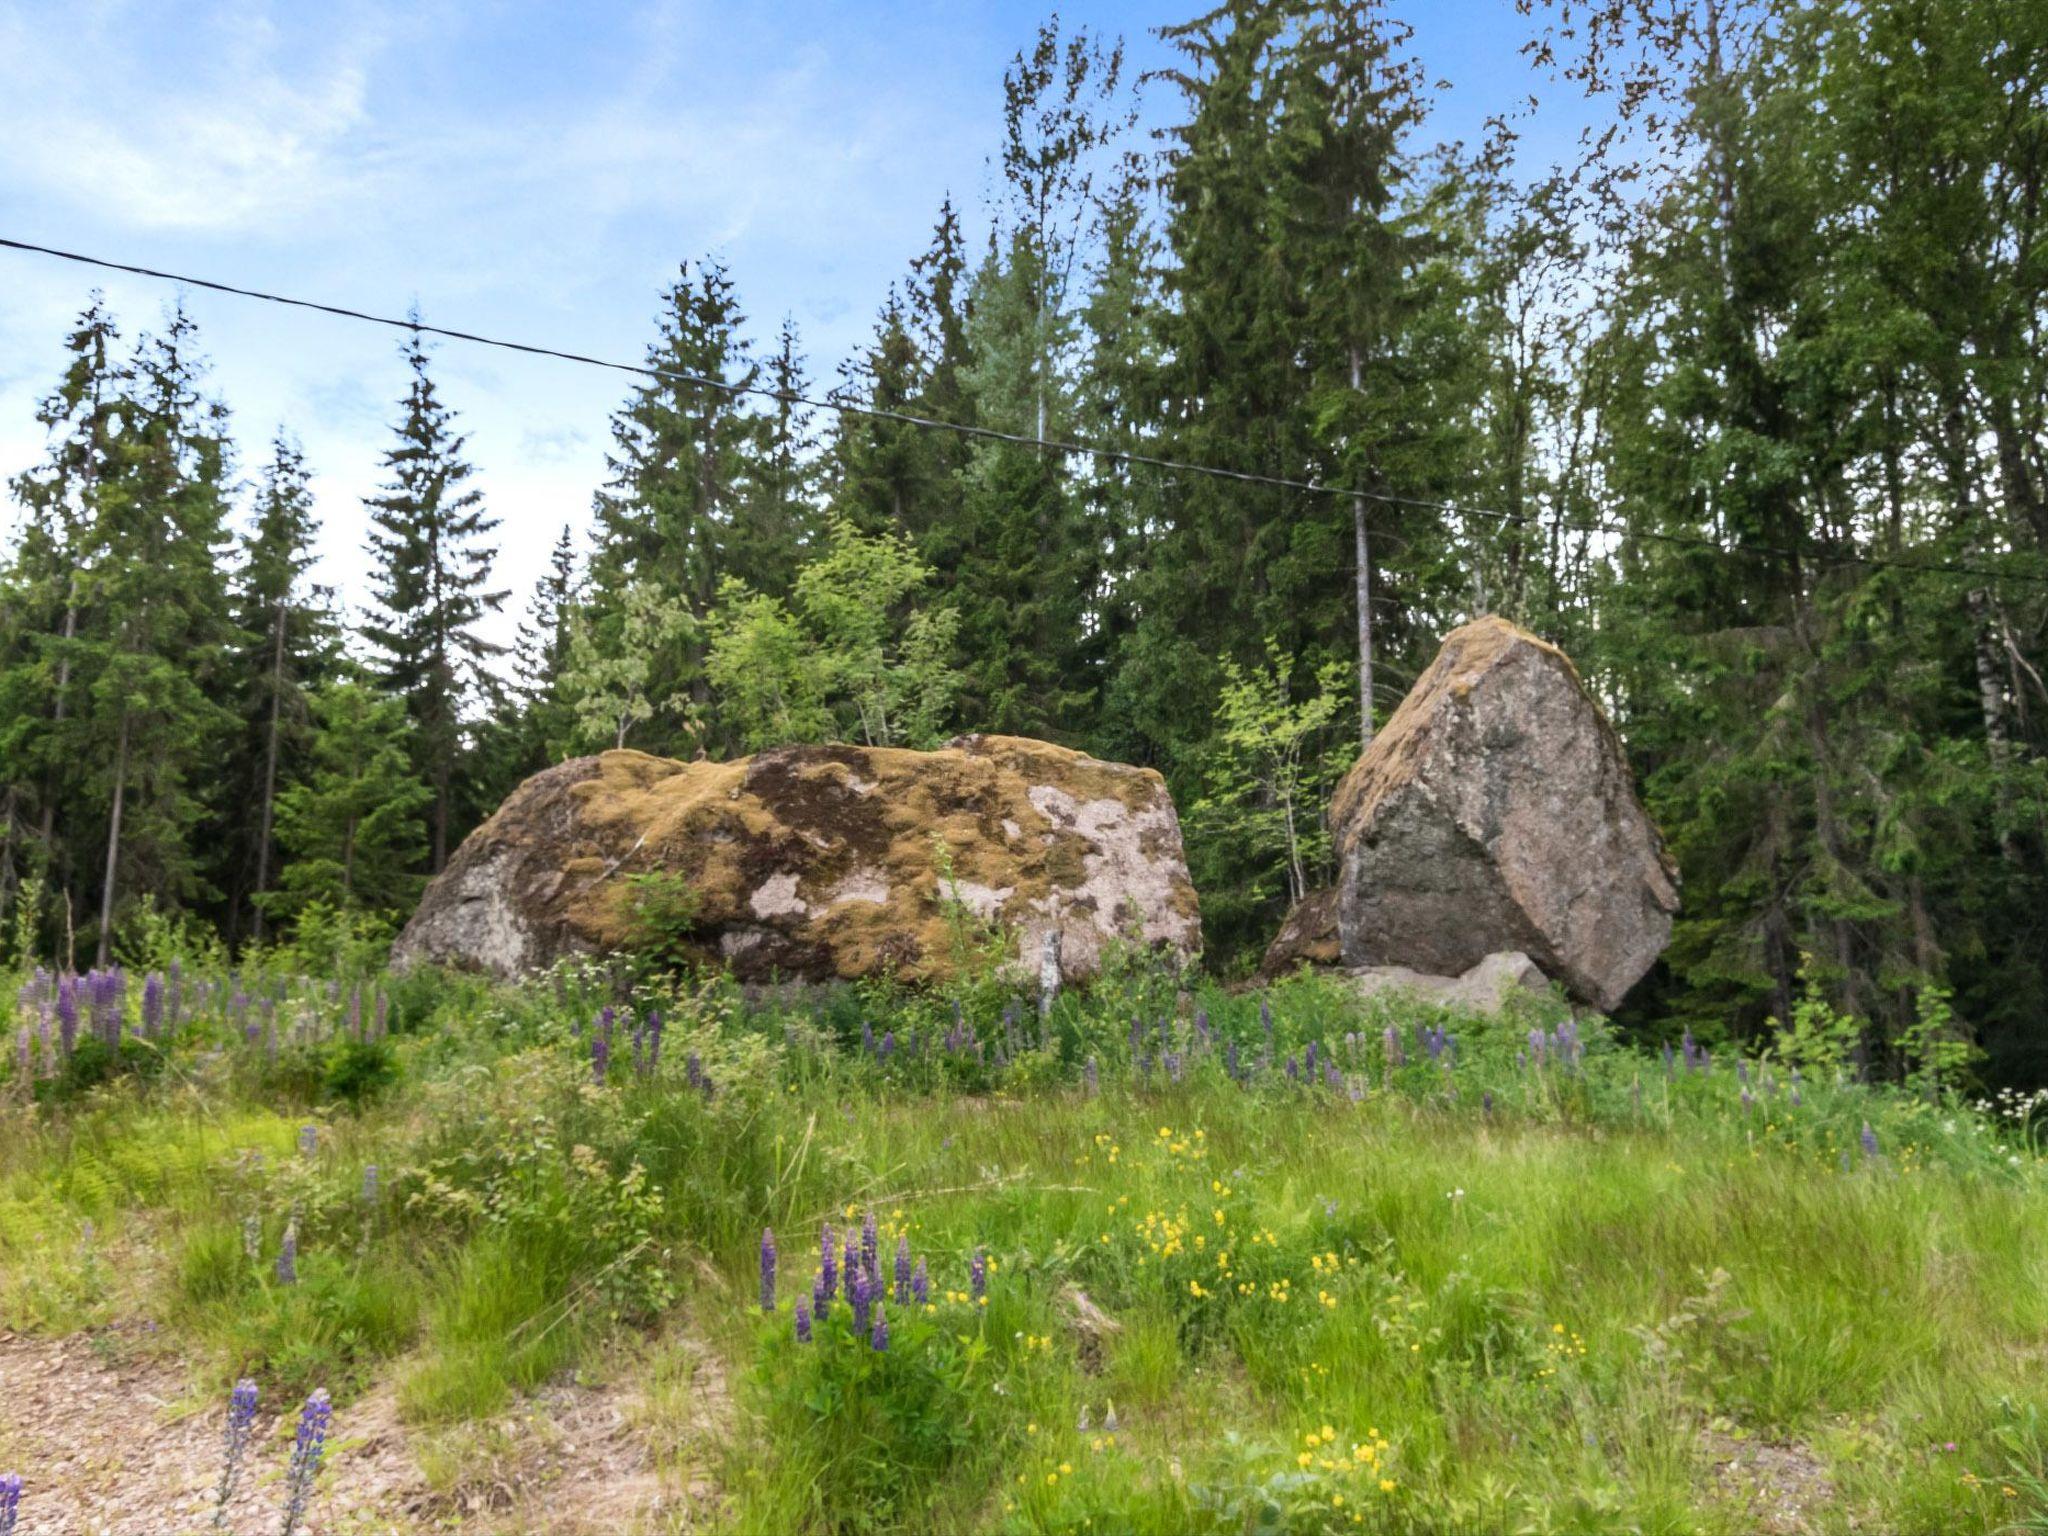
[[1991, 700], [270, 767], [49, 826], [1363, 555], [114, 842]]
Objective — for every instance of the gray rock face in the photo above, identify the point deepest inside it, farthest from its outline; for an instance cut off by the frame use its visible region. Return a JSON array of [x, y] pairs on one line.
[[1496, 812], [1485, 988], [1308, 936]]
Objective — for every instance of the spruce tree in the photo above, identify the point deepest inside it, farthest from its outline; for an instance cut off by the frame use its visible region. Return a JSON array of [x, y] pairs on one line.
[[431, 586], [155, 630], [288, 643], [686, 474], [540, 723], [351, 826], [40, 599]]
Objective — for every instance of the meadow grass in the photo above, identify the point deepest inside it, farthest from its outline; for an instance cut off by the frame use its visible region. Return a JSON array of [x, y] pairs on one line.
[[1405, 1284]]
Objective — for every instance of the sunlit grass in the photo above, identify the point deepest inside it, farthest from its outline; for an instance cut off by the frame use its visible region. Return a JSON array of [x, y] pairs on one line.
[[1517, 1294]]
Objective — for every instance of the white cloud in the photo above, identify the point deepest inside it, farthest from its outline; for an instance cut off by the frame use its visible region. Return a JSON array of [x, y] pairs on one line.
[[236, 145]]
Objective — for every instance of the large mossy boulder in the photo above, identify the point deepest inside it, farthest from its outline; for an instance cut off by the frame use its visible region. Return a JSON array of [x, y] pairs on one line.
[[1496, 812], [821, 862]]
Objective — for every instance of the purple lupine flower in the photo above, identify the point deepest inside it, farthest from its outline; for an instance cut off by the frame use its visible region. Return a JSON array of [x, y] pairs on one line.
[[1293, 1070], [1308, 1059], [600, 1054], [920, 1285], [849, 1267], [288, 1255], [1391, 1041], [803, 1321], [10, 1501], [977, 1275], [903, 1271], [654, 1028], [152, 1004], [1869, 1140], [693, 1071], [880, 1337], [767, 1270], [308, 1451], [67, 1013], [860, 1296], [867, 1037], [1331, 1076], [241, 1416], [1691, 1049], [870, 1245], [828, 1261], [1173, 1065], [1747, 1102], [888, 1046]]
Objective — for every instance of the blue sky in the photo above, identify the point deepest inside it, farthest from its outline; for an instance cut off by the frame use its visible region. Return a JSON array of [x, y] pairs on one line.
[[528, 170]]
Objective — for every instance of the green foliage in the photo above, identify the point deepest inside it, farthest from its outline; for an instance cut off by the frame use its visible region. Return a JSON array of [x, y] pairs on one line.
[[880, 1430], [352, 826], [609, 687], [431, 577], [662, 909], [850, 656], [358, 1070], [1274, 768], [1285, 1293], [1819, 1038]]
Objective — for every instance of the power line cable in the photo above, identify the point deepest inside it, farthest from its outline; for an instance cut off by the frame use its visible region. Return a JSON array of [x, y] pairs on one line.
[[991, 434]]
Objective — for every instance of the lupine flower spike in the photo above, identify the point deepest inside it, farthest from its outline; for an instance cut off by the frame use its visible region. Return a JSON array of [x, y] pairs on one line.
[[10, 1501], [767, 1270], [288, 1256], [1869, 1140], [977, 1277], [880, 1337], [308, 1451], [903, 1271], [803, 1321], [241, 1416]]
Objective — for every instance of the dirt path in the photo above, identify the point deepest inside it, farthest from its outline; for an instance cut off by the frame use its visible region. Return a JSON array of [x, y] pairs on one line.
[[110, 1441]]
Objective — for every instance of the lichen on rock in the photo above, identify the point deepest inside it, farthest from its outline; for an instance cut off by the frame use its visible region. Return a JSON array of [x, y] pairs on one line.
[[822, 862]]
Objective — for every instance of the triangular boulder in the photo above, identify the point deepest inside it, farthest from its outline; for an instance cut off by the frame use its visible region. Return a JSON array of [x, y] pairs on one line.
[[1495, 811]]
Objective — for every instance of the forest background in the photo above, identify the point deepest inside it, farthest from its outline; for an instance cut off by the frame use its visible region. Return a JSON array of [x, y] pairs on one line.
[[1742, 403]]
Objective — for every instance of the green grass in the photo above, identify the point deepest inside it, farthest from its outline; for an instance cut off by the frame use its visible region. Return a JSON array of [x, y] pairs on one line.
[[1517, 1297]]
